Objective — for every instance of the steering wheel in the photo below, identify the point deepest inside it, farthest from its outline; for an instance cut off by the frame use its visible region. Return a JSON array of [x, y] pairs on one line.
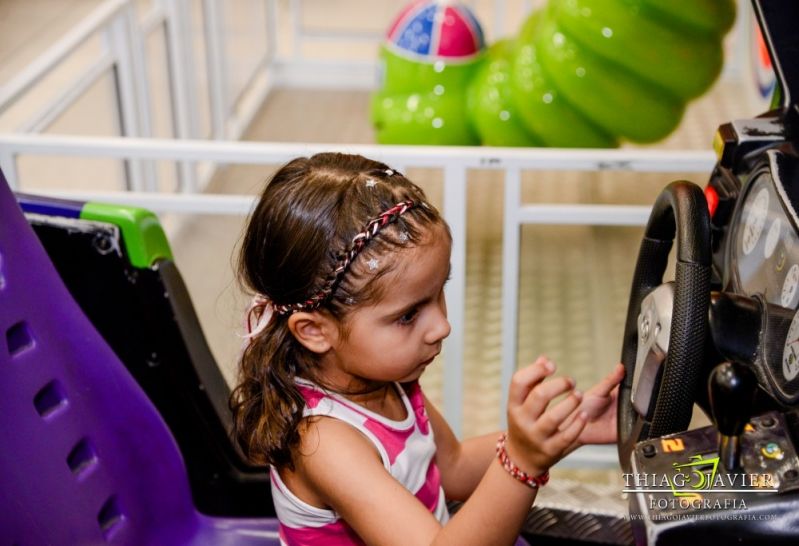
[[664, 334]]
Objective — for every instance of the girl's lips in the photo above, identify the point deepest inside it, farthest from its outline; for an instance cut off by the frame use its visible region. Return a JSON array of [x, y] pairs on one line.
[[427, 362]]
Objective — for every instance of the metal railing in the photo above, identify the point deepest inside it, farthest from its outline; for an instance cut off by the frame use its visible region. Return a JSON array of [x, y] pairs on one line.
[[454, 163]]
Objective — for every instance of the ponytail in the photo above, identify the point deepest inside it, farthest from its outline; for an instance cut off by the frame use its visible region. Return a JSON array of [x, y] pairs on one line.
[[266, 404]]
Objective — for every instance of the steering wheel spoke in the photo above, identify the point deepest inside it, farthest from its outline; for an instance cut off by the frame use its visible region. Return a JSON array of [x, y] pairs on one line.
[[654, 328]]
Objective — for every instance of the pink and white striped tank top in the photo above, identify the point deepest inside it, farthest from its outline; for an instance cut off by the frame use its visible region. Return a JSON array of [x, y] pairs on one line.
[[406, 447]]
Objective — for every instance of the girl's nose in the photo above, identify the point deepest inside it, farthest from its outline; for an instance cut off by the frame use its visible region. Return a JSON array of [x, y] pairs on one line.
[[439, 328]]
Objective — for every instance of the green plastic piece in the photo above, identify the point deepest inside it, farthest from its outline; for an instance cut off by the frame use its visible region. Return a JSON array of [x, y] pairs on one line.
[[776, 97], [142, 234]]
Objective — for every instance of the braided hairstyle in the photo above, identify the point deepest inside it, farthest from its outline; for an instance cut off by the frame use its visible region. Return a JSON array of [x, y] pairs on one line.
[[317, 223]]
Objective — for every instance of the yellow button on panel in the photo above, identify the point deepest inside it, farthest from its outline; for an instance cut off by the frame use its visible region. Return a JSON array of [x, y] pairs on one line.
[[672, 445], [772, 450]]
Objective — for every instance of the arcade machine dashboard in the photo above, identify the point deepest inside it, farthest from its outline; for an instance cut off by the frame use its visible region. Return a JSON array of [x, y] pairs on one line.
[[723, 335]]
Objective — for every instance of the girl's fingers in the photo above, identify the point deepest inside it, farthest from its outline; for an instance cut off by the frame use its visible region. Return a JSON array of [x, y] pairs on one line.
[[527, 378], [608, 382], [570, 434], [554, 417], [542, 395], [569, 420]]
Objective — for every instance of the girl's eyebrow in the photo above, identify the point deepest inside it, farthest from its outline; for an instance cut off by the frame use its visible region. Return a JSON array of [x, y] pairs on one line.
[[408, 308], [421, 301]]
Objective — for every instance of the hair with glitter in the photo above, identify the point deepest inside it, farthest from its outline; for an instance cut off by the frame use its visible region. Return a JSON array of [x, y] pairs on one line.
[[345, 258], [319, 223]]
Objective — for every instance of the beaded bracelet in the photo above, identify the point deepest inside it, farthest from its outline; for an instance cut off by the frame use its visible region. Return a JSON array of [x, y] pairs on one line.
[[531, 481]]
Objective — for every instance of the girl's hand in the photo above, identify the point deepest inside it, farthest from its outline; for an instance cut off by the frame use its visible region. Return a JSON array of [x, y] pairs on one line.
[[599, 404], [539, 434]]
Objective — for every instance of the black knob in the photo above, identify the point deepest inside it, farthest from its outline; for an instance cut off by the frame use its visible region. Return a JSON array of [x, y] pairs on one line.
[[732, 389]]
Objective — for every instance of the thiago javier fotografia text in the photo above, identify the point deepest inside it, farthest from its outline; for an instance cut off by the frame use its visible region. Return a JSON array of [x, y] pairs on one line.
[[696, 481]]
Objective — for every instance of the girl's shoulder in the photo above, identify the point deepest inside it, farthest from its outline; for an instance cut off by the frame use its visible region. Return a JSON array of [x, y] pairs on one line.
[[328, 456], [316, 429], [332, 452], [327, 441]]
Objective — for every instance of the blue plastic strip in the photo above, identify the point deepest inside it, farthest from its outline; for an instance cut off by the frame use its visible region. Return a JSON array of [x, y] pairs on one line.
[[49, 206]]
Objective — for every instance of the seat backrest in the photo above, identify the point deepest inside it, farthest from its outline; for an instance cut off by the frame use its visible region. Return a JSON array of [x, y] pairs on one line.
[[117, 264], [85, 458]]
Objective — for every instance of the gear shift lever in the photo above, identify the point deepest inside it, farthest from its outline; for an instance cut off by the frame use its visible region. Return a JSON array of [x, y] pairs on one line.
[[732, 389]]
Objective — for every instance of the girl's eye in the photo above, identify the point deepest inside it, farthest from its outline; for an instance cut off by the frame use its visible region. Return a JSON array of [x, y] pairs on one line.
[[408, 317]]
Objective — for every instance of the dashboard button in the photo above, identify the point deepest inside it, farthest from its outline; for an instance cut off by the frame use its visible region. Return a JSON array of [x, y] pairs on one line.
[[772, 450]]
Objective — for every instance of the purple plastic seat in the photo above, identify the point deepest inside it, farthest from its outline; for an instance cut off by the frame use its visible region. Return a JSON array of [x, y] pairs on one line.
[[85, 458]]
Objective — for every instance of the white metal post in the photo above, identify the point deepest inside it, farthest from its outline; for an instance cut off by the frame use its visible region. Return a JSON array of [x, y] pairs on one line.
[[271, 30], [114, 41], [455, 215], [140, 80], [295, 7], [181, 70], [217, 66], [511, 237], [8, 163], [126, 46]]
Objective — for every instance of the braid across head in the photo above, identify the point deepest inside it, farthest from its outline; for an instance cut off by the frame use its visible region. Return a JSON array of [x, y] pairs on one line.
[[360, 240]]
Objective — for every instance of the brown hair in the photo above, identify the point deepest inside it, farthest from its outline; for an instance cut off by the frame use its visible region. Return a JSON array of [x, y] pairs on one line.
[[306, 217]]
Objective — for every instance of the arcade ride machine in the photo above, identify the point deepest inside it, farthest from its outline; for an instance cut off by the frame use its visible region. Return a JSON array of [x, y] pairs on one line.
[[724, 335]]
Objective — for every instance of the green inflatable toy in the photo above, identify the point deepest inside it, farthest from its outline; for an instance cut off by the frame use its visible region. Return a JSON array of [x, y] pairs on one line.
[[580, 73], [432, 53]]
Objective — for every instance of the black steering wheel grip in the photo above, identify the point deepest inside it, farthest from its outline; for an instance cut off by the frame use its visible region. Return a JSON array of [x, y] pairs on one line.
[[680, 210]]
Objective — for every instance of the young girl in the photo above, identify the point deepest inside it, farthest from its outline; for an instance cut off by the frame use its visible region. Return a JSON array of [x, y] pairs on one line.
[[348, 262]]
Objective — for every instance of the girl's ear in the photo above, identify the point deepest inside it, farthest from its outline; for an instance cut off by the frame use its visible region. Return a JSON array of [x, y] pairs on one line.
[[312, 330]]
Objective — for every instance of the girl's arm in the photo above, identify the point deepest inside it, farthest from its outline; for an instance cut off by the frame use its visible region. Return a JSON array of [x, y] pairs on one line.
[[462, 464], [343, 471]]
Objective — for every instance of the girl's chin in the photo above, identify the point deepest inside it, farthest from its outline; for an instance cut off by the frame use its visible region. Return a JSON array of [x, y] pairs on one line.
[[417, 373]]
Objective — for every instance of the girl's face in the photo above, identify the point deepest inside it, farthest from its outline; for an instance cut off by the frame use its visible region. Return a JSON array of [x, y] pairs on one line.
[[396, 338]]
